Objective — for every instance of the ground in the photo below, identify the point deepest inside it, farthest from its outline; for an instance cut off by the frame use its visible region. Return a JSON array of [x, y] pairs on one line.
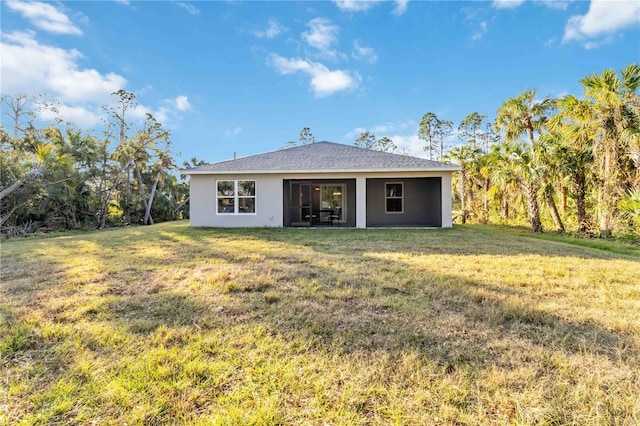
[[172, 324]]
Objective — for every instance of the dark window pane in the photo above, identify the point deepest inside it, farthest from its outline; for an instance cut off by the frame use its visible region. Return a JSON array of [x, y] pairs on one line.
[[225, 188], [394, 204], [394, 190], [246, 205], [226, 205], [246, 188], [331, 196]]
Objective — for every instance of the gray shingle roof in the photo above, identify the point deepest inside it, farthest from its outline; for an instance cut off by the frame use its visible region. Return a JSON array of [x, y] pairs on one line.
[[322, 157]]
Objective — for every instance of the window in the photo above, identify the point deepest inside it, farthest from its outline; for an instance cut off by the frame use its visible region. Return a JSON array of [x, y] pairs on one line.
[[236, 196], [394, 198]]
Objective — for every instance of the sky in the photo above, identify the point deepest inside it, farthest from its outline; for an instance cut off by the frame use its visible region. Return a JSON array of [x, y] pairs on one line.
[[245, 77]]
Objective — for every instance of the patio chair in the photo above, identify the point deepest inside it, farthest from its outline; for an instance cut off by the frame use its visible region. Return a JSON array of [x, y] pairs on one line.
[[335, 215]]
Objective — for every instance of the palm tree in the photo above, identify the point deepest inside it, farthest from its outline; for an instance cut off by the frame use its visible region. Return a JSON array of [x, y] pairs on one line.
[[524, 168], [464, 155], [524, 115], [505, 180], [576, 139], [630, 206], [485, 165], [612, 119], [546, 153]]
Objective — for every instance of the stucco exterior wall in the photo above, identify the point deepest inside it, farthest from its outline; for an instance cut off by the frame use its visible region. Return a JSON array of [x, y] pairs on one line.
[[447, 201], [270, 197], [203, 210]]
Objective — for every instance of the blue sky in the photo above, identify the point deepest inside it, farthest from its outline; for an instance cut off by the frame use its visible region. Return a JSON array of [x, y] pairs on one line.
[[241, 76]]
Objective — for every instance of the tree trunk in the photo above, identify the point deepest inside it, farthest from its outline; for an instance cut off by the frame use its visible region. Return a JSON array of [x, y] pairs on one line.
[[505, 207], [147, 214], [31, 174], [143, 192], [105, 207], [580, 193], [469, 193], [463, 195], [551, 203], [608, 201], [485, 200], [531, 192], [181, 205], [6, 216]]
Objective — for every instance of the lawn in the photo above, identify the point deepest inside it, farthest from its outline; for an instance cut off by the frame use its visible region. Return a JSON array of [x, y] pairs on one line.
[[172, 324]]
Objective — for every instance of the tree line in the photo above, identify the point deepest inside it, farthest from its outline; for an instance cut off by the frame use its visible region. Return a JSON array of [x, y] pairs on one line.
[[572, 163], [56, 176], [574, 160]]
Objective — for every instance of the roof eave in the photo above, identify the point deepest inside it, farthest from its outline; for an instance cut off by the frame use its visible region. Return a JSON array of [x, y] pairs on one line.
[[447, 168]]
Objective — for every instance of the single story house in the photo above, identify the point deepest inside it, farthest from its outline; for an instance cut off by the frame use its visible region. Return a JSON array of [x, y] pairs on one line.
[[322, 184]]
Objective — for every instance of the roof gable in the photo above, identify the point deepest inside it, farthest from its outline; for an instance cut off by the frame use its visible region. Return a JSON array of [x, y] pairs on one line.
[[322, 157]]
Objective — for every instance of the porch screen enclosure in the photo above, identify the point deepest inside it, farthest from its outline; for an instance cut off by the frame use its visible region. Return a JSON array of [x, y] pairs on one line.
[[317, 203]]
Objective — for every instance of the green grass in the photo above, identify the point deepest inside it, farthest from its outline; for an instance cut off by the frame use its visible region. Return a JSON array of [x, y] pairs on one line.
[[172, 324], [620, 245]]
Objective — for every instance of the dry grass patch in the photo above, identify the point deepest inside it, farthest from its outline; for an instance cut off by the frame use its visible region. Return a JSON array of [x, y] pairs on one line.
[[171, 324]]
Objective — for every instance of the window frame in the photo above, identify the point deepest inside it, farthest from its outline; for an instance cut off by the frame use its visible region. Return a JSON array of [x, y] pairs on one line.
[[235, 197], [395, 197]]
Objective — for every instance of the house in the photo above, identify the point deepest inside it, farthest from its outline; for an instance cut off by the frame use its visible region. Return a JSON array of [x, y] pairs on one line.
[[322, 184]]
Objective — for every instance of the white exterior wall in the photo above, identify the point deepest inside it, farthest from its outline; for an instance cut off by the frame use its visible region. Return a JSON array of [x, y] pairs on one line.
[[361, 202], [203, 211], [269, 197], [447, 202]]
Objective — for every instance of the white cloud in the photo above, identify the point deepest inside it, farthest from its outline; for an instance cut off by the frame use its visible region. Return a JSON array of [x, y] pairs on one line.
[[167, 113], [355, 5], [555, 4], [507, 4], [233, 132], [404, 135], [81, 92], [189, 8], [182, 103], [45, 16], [603, 19], [322, 35], [393, 127], [81, 116], [52, 70], [352, 135], [125, 2], [401, 7], [272, 31], [324, 81], [411, 144], [480, 32], [384, 129], [364, 53], [596, 44]]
